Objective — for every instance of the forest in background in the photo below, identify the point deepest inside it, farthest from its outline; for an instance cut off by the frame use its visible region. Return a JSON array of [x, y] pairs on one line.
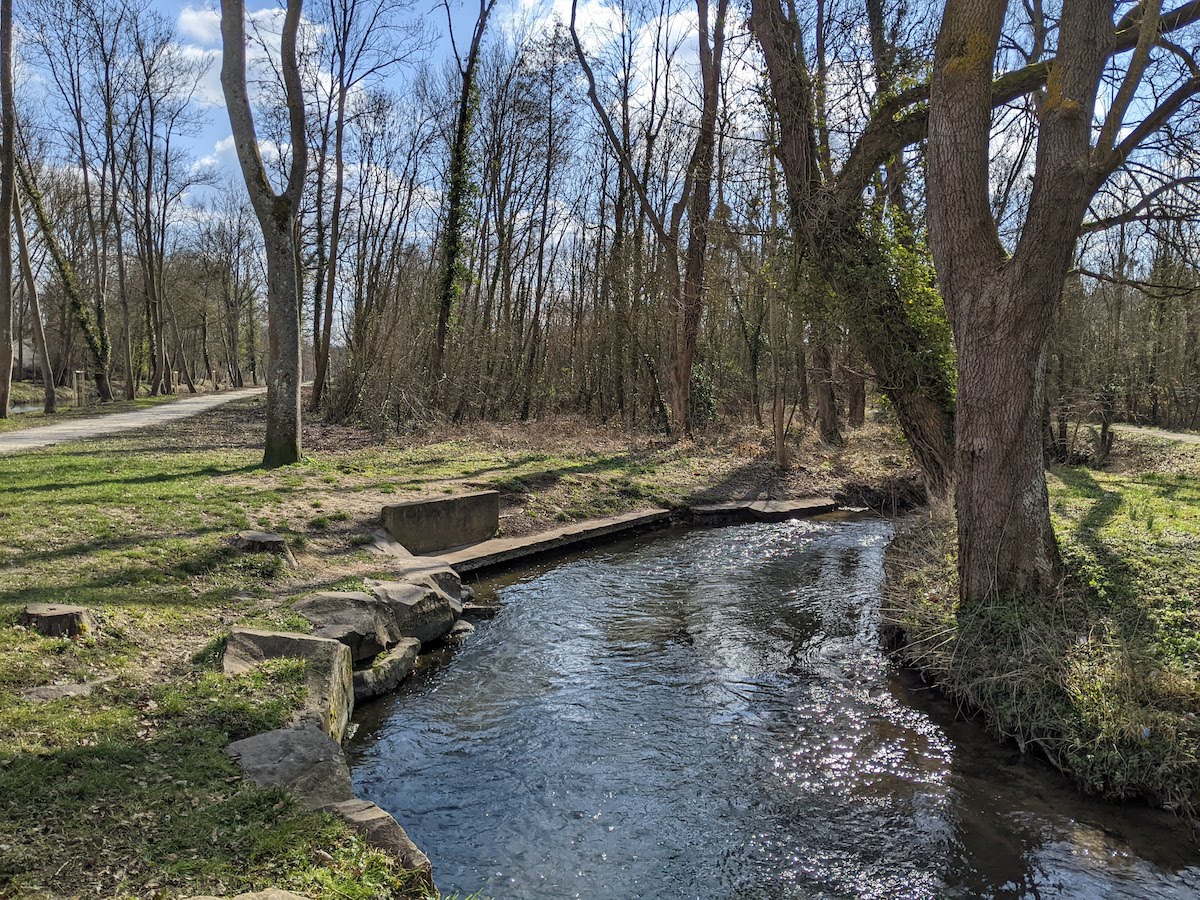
[[583, 277], [597, 258]]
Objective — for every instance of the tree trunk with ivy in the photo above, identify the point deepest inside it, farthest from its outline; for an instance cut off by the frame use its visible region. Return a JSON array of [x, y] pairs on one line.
[[845, 248]]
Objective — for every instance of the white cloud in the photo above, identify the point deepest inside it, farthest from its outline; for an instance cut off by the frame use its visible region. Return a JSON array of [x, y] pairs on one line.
[[208, 91], [598, 22], [200, 26]]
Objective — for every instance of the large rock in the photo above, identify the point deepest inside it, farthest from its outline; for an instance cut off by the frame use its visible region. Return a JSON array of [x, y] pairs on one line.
[[461, 631], [264, 542], [435, 524], [58, 620], [380, 830], [422, 611], [304, 761], [48, 692], [428, 570], [327, 671], [386, 672], [361, 621]]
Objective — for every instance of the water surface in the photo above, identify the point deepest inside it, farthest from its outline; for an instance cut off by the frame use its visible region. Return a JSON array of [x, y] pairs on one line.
[[705, 714]]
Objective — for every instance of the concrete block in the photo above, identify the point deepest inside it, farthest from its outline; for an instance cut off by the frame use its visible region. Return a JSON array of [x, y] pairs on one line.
[[423, 526]]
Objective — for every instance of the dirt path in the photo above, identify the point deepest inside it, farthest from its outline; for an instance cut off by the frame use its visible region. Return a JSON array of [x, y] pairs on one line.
[[1182, 437], [115, 423]]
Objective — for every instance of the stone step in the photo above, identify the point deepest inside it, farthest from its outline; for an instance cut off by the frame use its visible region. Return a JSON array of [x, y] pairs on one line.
[[498, 551], [760, 510]]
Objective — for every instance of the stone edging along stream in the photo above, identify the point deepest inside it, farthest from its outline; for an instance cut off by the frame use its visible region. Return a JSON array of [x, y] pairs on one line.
[[365, 643]]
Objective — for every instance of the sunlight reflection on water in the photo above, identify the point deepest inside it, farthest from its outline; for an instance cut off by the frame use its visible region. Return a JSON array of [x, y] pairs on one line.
[[706, 714]]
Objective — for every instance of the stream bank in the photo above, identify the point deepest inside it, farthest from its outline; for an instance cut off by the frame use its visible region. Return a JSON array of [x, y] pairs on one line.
[[1104, 680]]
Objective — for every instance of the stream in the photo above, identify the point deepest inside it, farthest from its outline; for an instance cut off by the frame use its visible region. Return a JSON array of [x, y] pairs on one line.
[[705, 713]]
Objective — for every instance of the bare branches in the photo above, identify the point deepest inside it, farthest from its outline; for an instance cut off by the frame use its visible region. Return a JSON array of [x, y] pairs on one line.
[[667, 237]]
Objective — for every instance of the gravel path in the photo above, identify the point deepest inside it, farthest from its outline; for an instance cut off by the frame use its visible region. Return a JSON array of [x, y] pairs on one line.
[[116, 423], [1182, 437]]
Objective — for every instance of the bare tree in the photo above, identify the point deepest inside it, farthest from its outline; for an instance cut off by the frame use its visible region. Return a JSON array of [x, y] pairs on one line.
[[278, 216], [1002, 304], [695, 201], [7, 183]]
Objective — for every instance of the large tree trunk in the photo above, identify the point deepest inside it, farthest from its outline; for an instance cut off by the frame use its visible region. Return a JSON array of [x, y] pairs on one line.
[[1006, 541], [282, 442], [1002, 308], [278, 218], [7, 181]]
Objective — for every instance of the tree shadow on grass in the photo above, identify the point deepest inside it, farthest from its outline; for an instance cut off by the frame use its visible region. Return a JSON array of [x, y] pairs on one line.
[[149, 799], [541, 479], [207, 561], [154, 478]]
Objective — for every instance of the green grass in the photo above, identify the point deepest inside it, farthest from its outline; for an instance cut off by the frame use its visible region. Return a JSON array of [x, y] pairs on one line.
[[1105, 680], [129, 792]]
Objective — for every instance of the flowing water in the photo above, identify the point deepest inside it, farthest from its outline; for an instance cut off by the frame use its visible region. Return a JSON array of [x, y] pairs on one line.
[[705, 714]]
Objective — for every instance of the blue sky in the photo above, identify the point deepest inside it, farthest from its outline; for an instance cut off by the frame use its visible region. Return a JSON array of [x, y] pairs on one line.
[[198, 26]]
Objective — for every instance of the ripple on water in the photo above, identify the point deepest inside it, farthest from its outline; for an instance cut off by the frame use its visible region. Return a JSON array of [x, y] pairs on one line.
[[706, 714]]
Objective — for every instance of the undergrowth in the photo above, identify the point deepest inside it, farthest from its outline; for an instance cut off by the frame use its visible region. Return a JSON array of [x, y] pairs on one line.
[[1104, 680]]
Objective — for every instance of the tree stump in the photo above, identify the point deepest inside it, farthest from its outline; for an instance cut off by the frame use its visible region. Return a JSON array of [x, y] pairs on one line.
[[58, 620], [264, 542]]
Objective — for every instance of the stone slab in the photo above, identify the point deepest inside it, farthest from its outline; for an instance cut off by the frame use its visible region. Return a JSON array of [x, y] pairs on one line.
[[430, 570], [48, 692], [383, 544], [473, 610], [500, 551], [327, 671], [422, 526], [760, 510], [387, 671], [383, 832], [304, 761]]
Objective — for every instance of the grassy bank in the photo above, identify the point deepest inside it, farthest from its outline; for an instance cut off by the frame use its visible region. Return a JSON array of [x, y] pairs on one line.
[[23, 393], [128, 792], [1105, 681]]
